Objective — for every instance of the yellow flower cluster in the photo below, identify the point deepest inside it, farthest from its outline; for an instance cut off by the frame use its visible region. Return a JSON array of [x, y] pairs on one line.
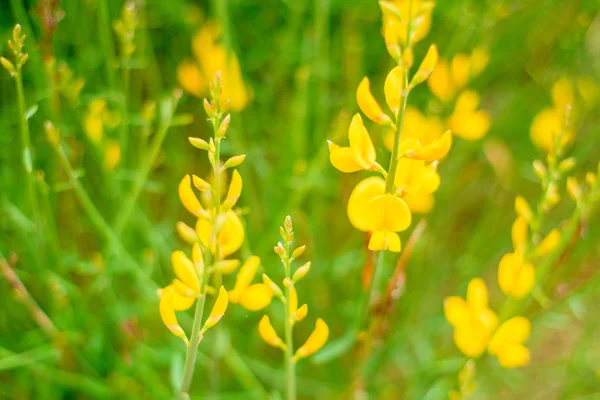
[[383, 205], [448, 83], [212, 56], [293, 312], [476, 328], [96, 121], [218, 232]]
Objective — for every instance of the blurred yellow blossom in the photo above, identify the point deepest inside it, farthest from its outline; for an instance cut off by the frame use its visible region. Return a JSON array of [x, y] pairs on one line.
[[507, 343]]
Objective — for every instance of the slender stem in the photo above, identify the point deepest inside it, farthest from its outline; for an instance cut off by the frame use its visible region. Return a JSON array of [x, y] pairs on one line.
[[124, 128], [389, 184], [107, 42], [26, 146], [290, 367], [192, 350]]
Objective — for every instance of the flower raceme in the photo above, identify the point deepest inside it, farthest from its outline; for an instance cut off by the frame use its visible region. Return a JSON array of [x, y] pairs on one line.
[[372, 206], [476, 328]]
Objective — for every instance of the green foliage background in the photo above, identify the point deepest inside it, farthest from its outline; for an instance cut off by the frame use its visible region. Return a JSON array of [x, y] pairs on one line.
[[303, 60]]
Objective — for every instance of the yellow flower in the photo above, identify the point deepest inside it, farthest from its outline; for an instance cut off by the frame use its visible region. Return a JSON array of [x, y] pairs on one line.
[[519, 233], [466, 121], [370, 209], [416, 126], [315, 341], [433, 151], [231, 234], [185, 270], [212, 56], [473, 321], [399, 12], [361, 153], [217, 311], [507, 343], [515, 276]]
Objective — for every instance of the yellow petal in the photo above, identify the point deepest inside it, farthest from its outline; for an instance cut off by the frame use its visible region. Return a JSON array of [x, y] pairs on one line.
[[201, 184], [426, 67], [471, 340], [514, 356], [190, 78], [460, 69], [227, 266], [268, 334], [563, 94], [393, 87], [515, 277], [431, 179], [198, 258], [218, 309], [514, 331], [342, 159], [315, 341], [456, 310], [409, 175], [545, 126], [256, 297], [230, 237], [244, 278], [188, 198], [368, 105], [293, 301], [167, 313], [385, 240], [440, 83], [477, 294], [181, 302], [519, 233], [479, 60], [358, 211], [185, 271], [235, 188], [389, 213], [435, 150], [548, 244], [522, 208], [420, 202], [361, 146]]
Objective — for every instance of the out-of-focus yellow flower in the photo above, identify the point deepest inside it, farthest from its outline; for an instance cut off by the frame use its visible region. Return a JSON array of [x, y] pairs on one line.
[[112, 154], [416, 126], [507, 343], [515, 276], [548, 244], [211, 56], [315, 341], [396, 15], [96, 118], [519, 233], [360, 155], [231, 234], [466, 121], [551, 121], [448, 79], [473, 321]]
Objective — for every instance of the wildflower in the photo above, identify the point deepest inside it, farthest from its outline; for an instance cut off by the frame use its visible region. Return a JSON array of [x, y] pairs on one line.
[[466, 120], [473, 321], [360, 155], [515, 276], [212, 56]]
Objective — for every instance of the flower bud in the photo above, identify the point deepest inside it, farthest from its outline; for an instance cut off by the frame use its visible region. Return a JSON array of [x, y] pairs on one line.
[[272, 285], [540, 170], [199, 143], [280, 250], [301, 272], [234, 161], [224, 126], [298, 252], [567, 165]]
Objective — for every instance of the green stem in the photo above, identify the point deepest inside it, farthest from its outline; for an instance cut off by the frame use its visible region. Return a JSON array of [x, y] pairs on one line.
[[192, 350], [389, 183], [290, 367], [106, 38], [124, 128]]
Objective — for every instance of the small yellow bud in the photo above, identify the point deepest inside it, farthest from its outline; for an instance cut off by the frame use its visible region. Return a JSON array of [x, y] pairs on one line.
[[199, 143], [590, 178], [287, 282], [280, 250], [268, 334], [218, 310], [224, 126], [574, 189], [522, 208], [272, 285], [52, 134], [227, 266], [201, 184], [8, 65], [567, 165], [288, 224], [301, 272], [540, 170], [187, 233], [298, 252], [301, 312], [315, 341], [234, 161]]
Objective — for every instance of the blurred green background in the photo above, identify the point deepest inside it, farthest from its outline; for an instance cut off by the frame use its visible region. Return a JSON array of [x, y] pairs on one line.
[[302, 60]]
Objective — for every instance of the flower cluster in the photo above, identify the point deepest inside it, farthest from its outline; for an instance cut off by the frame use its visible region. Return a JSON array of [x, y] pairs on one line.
[[212, 56], [218, 232], [448, 82], [383, 205], [475, 323], [293, 312]]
